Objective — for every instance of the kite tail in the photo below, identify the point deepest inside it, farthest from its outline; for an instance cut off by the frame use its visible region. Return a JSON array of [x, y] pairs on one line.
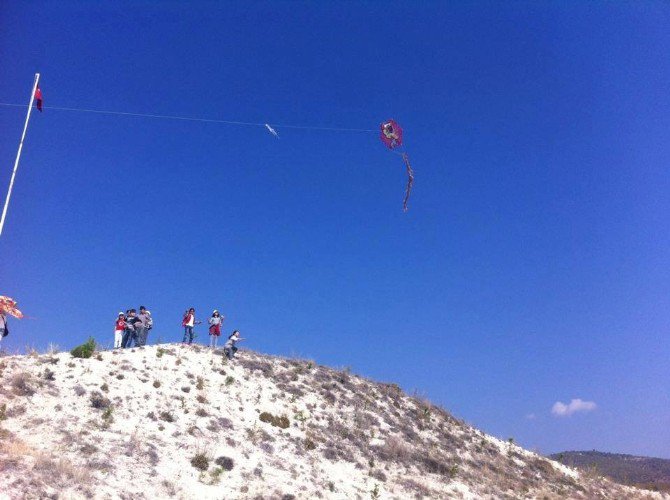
[[410, 181]]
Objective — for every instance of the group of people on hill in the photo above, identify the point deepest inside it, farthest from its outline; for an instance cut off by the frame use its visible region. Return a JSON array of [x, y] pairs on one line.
[[215, 322], [132, 328]]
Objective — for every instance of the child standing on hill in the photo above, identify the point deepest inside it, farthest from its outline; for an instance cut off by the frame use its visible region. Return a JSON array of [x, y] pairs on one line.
[[215, 323], [189, 322], [119, 328]]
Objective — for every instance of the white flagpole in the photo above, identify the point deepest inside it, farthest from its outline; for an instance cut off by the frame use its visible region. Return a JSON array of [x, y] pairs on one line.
[[18, 154]]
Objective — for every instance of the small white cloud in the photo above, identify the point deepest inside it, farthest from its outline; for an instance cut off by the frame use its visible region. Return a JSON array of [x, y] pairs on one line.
[[565, 410], [530, 416]]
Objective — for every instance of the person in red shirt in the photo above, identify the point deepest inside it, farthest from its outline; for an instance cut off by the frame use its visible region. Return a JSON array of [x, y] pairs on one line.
[[119, 327]]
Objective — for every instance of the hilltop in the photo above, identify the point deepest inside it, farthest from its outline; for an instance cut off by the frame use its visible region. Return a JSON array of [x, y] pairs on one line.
[[645, 472], [173, 421]]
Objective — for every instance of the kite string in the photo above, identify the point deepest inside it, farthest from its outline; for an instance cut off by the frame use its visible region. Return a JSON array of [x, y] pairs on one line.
[[194, 119]]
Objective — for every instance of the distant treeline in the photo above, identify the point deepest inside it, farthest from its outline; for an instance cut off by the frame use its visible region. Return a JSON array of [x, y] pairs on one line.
[[643, 472]]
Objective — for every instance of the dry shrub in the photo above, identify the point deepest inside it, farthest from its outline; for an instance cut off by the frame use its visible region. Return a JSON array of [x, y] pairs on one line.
[[393, 450], [377, 474], [21, 384], [58, 473], [167, 416], [15, 451], [276, 421], [200, 461], [15, 411], [61, 472], [48, 375], [99, 402], [216, 424], [256, 365], [419, 490], [226, 463]]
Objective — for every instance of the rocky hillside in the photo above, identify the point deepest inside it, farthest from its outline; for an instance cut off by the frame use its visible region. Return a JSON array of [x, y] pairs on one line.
[[173, 421]]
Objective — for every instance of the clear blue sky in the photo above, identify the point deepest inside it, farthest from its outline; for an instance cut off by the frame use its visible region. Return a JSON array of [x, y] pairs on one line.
[[531, 268]]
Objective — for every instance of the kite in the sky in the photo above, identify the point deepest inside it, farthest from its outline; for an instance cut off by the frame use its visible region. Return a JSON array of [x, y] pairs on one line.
[[8, 306], [391, 135], [272, 131]]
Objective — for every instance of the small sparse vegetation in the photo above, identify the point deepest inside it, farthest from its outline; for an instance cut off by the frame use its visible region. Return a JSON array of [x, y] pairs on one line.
[[309, 444], [100, 402], [226, 463], [48, 375], [84, 350], [167, 416], [108, 416], [230, 380], [201, 399], [282, 422], [200, 385], [3, 412], [215, 475], [200, 461], [21, 383], [104, 387]]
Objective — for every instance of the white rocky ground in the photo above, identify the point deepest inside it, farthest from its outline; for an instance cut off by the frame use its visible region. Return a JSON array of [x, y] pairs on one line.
[[171, 421]]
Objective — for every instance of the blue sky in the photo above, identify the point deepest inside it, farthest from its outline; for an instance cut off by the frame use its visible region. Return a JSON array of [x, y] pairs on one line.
[[532, 266]]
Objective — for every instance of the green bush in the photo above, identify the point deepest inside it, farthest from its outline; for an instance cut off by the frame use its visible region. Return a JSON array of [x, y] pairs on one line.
[[84, 350]]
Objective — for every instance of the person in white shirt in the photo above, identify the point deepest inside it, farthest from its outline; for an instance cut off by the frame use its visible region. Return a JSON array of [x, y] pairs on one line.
[[189, 323]]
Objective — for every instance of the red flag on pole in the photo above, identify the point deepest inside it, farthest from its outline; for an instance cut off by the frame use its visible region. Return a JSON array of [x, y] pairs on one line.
[[38, 99]]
